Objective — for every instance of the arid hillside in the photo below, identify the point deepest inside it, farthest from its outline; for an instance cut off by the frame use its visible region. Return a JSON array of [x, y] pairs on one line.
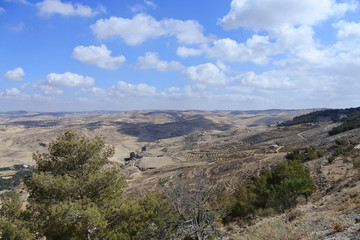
[[228, 146]]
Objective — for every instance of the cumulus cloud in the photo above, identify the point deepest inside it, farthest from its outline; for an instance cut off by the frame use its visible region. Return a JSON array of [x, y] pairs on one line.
[[51, 7], [186, 52], [258, 14], [206, 74], [16, 74], [68, 79], [172, 89], [256, 49], [141, 27], [47, 89], [12, 92], [151, 61], [99, 56], [123, 89], [95, 91], [267, 80], [348, 30]]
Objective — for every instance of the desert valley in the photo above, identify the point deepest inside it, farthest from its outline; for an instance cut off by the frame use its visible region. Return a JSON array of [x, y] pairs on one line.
[[152, 147]]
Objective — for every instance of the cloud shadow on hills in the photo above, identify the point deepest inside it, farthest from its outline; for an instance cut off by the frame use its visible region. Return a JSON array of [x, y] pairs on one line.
[[150, 132]]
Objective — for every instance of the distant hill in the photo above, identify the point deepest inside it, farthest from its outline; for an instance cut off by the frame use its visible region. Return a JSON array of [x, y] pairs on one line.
[[348, 117]]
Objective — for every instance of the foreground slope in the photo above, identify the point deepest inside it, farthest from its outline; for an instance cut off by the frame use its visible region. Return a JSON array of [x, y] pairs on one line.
[[228, 146]]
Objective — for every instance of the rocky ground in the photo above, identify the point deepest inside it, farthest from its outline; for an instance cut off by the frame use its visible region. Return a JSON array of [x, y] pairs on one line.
[[228, 146]]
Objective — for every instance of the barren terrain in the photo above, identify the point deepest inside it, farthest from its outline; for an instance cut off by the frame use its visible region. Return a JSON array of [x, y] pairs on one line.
[[229, 146]]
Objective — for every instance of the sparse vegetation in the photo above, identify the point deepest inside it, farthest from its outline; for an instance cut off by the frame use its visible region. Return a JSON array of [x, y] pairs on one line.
[[339, 226], [342, 148], [349, 119], [265, 206], [197, 208], [276, 189], [357, 163], [304, 155]]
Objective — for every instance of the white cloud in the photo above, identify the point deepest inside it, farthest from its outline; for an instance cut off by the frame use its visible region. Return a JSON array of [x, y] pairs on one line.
[[47, 89], [95, 91], [51, 7], [98, 55], [123, 89], [348, 35], [172, 89], [186, 52], [16, 74], [150, 4], [205, 74], [2, 10], [68, 79], [12, 92], [142, 27], [267, 80], [348, 30], [256, 49], [222, 66], [259, 14], [142, 7], [259, 48], [151, 61]]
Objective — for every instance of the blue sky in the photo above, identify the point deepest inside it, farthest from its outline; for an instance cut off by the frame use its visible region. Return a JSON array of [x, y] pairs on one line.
[[60, 55]]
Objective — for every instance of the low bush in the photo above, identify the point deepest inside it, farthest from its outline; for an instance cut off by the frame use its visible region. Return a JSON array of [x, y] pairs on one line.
[[272, 191], [304, 155], [357, 163], [339, 226]]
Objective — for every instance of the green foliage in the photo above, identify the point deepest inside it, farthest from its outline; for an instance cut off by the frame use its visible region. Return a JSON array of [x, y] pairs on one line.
[[74, 155], [274, 190], [241, 203], [10, 205], [288, 190], [351, 121], [15, 180], [145, 218], [341, 142], [356, 163], [72, 194], [76, 196], [342, 148], [331, 159], [12, 223], [349, 118], [320, 154], [304, 155], [313, 117]]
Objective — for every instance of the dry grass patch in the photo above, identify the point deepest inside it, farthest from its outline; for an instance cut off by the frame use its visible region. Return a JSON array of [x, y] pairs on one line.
[[271, 229]]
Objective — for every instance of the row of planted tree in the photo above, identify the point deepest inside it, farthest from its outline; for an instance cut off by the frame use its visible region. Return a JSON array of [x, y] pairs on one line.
[[75, 195]]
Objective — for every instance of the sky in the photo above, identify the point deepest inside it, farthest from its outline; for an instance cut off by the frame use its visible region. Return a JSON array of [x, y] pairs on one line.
[[76, 55]]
